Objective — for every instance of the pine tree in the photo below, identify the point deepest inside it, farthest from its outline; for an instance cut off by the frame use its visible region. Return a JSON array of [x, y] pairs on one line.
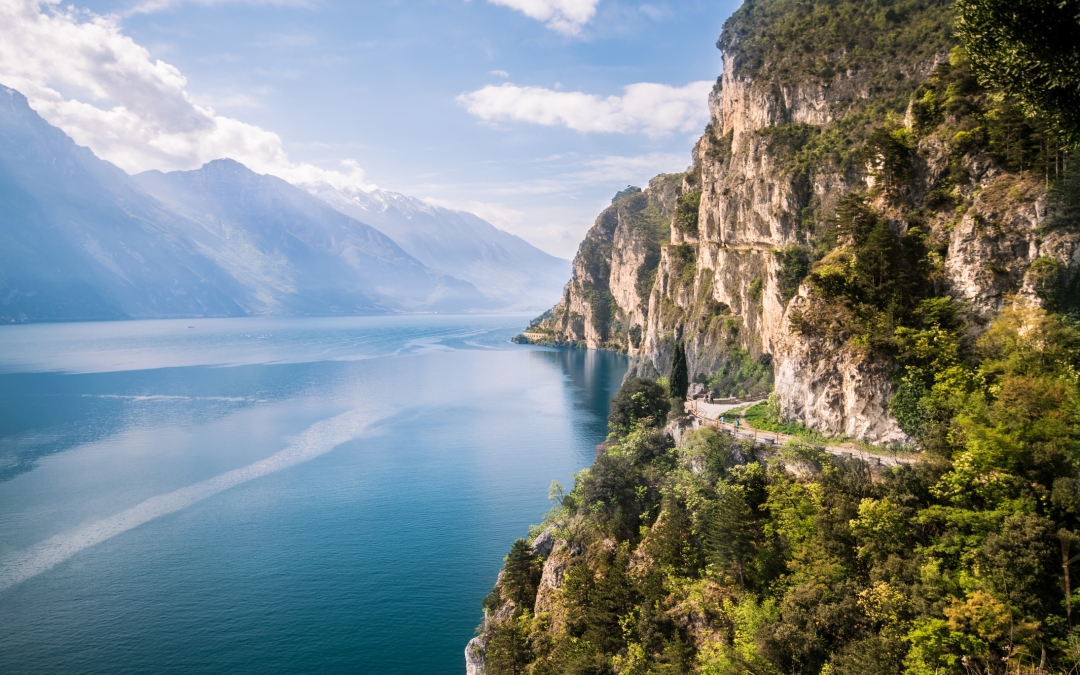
[[679, 382], [519, 575], [728, 532]]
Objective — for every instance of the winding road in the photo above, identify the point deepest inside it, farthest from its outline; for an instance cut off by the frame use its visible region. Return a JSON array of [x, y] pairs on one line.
[[708, 415]]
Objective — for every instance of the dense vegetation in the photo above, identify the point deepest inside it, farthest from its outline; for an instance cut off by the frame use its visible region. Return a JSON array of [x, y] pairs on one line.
[[793, 41], [1028, 49], [717, 557]]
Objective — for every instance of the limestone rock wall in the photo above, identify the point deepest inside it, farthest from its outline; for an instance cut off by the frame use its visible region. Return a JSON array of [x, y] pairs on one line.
[[605, 305], [718, 285]]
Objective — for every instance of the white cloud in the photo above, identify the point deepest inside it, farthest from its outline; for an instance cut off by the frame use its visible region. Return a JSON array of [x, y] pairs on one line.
[[82, 74], [655, 109], [564, 16], [655, 12], [499, 73]]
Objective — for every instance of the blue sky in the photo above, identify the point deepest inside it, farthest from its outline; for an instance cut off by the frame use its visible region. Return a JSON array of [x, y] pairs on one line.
[[465, 103]]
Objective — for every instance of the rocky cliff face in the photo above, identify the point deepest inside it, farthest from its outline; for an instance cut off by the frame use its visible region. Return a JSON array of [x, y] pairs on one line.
[[606, 302], [792, 135]]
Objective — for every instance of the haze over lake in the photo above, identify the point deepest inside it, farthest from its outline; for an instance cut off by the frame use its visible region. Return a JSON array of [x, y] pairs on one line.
[[274, 495]]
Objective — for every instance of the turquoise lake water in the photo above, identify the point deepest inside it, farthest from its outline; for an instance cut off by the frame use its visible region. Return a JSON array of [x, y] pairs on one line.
[[272, 495]]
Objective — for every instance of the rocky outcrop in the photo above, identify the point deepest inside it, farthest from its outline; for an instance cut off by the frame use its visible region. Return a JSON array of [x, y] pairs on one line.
[[558, 555], [834, 389], [995, 242], [605, 305], [474, 655], [544, 542], [551, 579], [476, 649]]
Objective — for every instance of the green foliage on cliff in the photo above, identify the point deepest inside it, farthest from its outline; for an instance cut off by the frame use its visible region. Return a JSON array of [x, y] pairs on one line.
[[794, 266], [683, 258], [640, 401], [953, 106], [871, 283], [717, 557], [795, 41], [875, 273], [686, 213], [1057, 286], [1029, 49]]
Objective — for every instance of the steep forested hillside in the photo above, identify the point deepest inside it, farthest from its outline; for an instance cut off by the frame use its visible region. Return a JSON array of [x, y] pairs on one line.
[[885, 228], [717, 557]]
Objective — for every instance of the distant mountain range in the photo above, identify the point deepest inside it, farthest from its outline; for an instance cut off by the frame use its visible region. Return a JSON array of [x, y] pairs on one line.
[[80, 239], [502, 266]]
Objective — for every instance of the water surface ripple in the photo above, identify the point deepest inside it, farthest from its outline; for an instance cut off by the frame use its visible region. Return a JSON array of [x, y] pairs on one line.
[[274, 495]]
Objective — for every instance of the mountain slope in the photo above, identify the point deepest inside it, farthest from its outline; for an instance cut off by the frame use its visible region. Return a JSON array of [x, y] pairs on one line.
[[80, 240], [901, 247], [502, 266], [295, 253], [77, 241]]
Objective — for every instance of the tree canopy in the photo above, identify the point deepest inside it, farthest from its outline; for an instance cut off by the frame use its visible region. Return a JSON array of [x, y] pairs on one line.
[[1029, 49], [640, 401]]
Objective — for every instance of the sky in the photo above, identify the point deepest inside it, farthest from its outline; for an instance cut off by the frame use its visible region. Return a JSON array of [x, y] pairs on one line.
[[529, 113]]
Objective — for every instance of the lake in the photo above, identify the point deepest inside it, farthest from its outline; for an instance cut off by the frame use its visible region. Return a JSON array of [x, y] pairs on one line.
[[274, 495]]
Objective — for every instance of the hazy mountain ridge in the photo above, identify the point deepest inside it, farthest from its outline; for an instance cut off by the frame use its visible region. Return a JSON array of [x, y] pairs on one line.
[[78, 242], [82, 240], [295, 253], [501, 265]]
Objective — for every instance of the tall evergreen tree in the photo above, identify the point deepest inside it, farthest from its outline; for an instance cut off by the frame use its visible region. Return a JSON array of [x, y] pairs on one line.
[[508, 651], [679, 382], [520, 575]]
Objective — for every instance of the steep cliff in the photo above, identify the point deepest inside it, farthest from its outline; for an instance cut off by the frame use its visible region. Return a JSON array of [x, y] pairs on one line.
[[606, 303], [840, 134]]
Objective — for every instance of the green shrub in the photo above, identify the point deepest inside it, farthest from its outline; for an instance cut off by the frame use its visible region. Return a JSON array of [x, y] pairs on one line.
[[639, 401], [794, 266], [1028, 49], [686, 212], [756, 288]]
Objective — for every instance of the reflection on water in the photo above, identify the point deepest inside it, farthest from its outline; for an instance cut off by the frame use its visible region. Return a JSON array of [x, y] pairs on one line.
[[274, 495], [594, 377]]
